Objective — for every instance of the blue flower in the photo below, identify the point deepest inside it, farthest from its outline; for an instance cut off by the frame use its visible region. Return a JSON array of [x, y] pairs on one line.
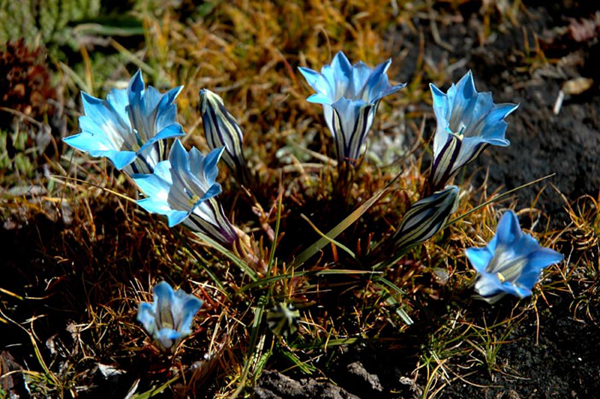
[[182, 188], [511, 263], [467, 122], [129, 126], [350, 95], [169, 318]]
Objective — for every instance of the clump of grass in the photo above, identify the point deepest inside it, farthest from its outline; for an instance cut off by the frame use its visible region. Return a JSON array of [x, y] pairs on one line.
[[98, 255]]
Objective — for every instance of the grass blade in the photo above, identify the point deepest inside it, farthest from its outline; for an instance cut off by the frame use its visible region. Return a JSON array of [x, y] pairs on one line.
[[498, 198], [331, 240], [337, 230], [228, 254], [322, 272]]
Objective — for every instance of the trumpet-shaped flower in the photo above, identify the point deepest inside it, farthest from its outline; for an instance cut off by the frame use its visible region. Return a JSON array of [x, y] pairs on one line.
[[426, 217], [129, 126], [182, 188], [169, 318], [467, 122], [511, 263], [350, 95]]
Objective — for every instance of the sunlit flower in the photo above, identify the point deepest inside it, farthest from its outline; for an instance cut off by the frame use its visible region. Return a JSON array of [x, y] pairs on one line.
[[182, 188], [511, 263], [425, 218], [350, 95], [467, 122], [169, 318], [129, 126], [222, 130]]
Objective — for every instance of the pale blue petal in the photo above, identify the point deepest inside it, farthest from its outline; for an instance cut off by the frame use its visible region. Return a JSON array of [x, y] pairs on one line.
[[537, 261], [163, 296], [145, 315], [213, 191], [210, 164], [167, 337], [196, 162], [479, 258], [164, 292], [88, 142], [508, 230], [319, 98], [119, 101], [167, 110], [151, 205], [179, 157], [191, 306], [341, 63], [173, 130], [544, 257], [175, 217], [488, 285], [316, 80], [120, 158], [153, 186]]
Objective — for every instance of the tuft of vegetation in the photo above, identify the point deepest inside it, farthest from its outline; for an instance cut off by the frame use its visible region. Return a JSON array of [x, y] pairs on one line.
[[84, 254]]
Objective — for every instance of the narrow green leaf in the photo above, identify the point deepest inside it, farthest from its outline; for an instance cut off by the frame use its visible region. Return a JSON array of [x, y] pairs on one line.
[[201, 262], [228, 254], [405, 317], [337, 230], [303, 366], [155, 391], [258, 316], [331, 240], [272, 279], [498, 198], [276, 235]]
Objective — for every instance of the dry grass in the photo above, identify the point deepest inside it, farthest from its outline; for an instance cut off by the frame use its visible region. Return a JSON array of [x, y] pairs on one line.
[[84, 255]]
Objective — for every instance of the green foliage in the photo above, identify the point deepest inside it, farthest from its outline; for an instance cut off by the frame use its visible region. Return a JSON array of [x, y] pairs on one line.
[[17, 156], [45, 21]]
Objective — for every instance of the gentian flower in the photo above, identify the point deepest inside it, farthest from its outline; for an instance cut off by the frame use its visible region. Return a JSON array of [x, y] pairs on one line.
[[129, 126], [467, 122], [425, 218], [222, 130], [182, 188], [350, 95], [169, 318], [511, 263]]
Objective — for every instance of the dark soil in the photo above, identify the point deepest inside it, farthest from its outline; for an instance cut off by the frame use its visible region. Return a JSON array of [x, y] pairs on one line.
[[563, 361]]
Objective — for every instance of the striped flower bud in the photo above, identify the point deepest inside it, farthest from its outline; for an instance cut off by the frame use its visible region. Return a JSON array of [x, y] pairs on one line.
[[222, 130], [425, 218]]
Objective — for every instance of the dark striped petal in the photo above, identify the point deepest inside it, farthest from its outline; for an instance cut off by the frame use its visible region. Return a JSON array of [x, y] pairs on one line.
[[208, 218], [457, 153], [425, 218], [350, 123], [222, 130]]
